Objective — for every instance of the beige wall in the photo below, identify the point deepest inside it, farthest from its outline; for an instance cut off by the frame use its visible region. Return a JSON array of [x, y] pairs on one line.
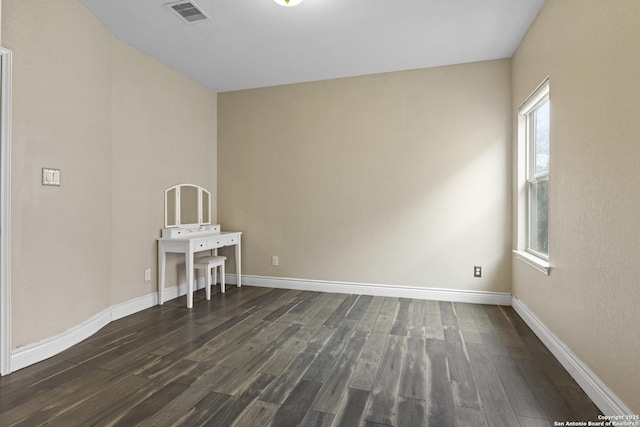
[[591, 52], [61, 236], [399, 178], [121, 127], [163, 133]]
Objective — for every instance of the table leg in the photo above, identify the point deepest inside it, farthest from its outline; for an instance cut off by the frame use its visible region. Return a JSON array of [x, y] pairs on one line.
[[188, 258], [214, 252], [162, 260], [238, 263]]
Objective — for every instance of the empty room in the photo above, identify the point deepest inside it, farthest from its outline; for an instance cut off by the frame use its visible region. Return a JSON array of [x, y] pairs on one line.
[[319, 213]]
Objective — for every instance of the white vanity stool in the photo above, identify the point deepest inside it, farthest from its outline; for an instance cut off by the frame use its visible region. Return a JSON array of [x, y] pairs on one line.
[[210, 264]]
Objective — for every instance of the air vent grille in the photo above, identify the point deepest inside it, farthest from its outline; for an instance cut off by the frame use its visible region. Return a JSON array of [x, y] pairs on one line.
[[188, 11]]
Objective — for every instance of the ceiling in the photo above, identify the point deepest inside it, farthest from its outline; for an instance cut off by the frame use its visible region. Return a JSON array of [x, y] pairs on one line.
[[258, 43]]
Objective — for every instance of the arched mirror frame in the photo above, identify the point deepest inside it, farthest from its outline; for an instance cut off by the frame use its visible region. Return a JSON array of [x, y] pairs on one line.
[[175, 204]]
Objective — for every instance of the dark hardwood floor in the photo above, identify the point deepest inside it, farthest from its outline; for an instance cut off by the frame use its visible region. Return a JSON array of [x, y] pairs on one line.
[[258, 357]]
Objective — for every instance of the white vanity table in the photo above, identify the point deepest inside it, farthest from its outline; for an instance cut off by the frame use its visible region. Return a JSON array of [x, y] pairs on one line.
[[188, 230]]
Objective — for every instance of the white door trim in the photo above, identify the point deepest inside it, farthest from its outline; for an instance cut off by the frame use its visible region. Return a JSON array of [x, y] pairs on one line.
[[5, 211]]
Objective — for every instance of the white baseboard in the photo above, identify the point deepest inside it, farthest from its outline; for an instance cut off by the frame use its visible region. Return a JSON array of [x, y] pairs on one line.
[[597, 391], [127, 308], [24, 356], [37, 352], [177, 291], [436, 294], [30, 354]]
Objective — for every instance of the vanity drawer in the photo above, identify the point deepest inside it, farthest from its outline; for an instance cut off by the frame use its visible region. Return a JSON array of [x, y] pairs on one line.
[[232, 240], [200, 245], [217, 242]]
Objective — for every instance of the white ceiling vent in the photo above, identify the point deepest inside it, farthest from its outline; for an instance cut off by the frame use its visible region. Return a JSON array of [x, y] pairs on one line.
[[187, 11]]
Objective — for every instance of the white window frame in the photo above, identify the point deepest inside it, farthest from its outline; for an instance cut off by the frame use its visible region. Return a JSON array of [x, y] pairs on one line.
[[527, 177]]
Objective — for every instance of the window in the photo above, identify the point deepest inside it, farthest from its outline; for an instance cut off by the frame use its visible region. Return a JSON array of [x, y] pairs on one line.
[[538, 179], [534, 146]]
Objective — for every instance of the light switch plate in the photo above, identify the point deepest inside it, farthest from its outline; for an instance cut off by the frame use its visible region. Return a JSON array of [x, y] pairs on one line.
[[50, 176]]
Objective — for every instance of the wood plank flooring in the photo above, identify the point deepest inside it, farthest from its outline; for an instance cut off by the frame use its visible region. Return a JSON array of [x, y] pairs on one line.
[[274, 357]]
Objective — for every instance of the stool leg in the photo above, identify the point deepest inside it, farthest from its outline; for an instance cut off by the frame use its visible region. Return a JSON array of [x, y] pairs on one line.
[[195, 288], [222, 278], [207, 282]]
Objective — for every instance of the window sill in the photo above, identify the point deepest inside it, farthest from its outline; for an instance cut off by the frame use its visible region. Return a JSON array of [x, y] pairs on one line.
[[538, 263]]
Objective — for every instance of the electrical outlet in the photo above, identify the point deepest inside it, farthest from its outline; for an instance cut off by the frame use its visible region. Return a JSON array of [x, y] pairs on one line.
[[274, 261], [50, 176], [147, 275], [477, 271]]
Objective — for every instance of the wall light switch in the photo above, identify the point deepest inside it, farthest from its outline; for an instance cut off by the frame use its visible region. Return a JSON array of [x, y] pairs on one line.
[[50, 176]]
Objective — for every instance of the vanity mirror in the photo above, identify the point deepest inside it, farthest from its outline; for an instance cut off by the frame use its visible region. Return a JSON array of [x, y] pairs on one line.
[[186, 205]]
